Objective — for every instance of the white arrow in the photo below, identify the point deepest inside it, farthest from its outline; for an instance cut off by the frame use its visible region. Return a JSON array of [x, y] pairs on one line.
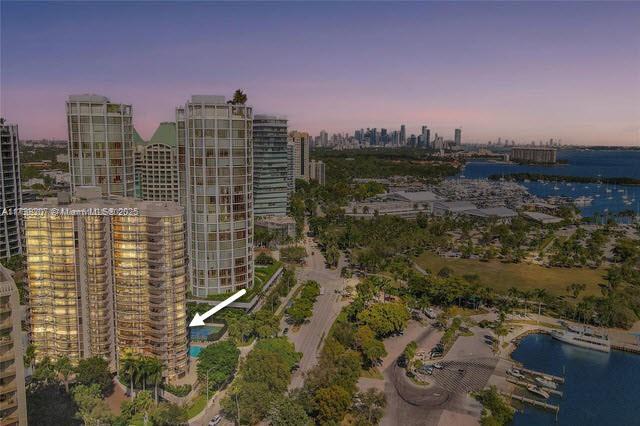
[[198, 320]]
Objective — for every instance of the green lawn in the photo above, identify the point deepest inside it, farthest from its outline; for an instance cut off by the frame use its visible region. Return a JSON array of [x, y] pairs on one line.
[[196, 406], [501, 276], [262, 276]]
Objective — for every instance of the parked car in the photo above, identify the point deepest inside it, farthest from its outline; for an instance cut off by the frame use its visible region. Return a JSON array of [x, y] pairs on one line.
[[438, 366], [286, 330], [217, 419], [402, 361]]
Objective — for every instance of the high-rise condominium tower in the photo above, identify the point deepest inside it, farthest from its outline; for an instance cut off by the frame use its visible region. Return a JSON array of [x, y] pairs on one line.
[[300, 142], [100, 144], [13, 404], [270, 187], [157, 172], [291, 180], [458, 137], [11, 196], [216, 156], [100, 284]]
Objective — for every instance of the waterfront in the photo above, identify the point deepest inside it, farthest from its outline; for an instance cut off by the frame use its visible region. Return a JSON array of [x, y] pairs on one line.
[[604, 163], [600, 388]]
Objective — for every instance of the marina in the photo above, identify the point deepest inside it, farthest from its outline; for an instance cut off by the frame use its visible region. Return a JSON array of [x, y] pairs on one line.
[[587, 375], [597, 200]]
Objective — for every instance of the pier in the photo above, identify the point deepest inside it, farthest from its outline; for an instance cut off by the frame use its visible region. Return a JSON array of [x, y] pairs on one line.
[[534, 402], [539, 374], [634, 349], [525, 384]]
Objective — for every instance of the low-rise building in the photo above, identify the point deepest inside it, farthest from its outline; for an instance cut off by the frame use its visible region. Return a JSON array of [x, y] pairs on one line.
[[402, 204], [454, 208], [284, 226], [501, 214], [542, 218]]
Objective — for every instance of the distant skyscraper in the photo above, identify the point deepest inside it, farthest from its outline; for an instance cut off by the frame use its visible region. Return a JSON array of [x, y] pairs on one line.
[[112, 283], [403, 135], [291, 180], [216, 153], [101, 148], [270, 166], [10, 224], [458, 137], [13, 403], [324, 139], [157, 175], [426, 136], [300, 142], [317, 171]]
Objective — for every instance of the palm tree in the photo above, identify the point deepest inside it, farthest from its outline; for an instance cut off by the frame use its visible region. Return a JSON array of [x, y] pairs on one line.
[[142, 371], [129, 367], [64, 368], [154, 370], [239, 98]]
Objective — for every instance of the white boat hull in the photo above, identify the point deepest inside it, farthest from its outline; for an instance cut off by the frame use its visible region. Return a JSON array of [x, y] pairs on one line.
[[576, 340]]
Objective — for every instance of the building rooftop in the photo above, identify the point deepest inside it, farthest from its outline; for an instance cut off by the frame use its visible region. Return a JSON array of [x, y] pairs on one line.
[[418, 196], [89, 97], [500, 212], [165, 134], [208, 99], [542, 217], [269, 117], [88, 198], [137, 139], [455, 206]]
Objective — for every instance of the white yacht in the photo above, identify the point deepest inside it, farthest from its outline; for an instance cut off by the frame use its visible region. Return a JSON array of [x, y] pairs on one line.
[[583, 337], [583, 201]]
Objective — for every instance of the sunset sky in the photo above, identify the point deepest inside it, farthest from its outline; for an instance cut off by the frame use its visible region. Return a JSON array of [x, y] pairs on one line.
[[524, 71]]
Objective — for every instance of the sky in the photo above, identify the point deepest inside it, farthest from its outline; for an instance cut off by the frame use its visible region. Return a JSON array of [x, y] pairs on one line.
[[523, 71]]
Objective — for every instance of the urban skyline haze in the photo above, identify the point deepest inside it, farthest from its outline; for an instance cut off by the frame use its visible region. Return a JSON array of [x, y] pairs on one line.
[[523, 71]]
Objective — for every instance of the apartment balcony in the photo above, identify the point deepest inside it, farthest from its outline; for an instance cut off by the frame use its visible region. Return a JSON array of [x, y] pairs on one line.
[[8, 372], [11, 419], [7, 403], [5, 340], [6, 323], [10, 387]]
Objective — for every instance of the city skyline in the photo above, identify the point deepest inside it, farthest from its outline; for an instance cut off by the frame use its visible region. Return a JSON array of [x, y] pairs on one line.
[[520, 71]]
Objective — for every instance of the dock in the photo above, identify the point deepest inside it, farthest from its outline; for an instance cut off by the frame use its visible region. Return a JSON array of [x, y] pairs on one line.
[[634, 349], [534, 402], [525, 384], [540, 374]]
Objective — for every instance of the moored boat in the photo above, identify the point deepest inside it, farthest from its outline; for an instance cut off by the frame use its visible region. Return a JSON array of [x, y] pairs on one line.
[[585, 338]]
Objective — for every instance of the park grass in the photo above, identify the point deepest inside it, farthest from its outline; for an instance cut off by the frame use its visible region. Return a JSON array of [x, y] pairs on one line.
[[501, 276], [196, 406]]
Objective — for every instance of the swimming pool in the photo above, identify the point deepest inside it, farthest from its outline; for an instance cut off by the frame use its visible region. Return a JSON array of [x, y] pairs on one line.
[[202, 333], [194, 351]]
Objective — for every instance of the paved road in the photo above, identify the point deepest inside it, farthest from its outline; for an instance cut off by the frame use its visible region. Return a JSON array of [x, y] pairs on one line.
[[214, 408], [307, 340], [309, 337], [447, 398]]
